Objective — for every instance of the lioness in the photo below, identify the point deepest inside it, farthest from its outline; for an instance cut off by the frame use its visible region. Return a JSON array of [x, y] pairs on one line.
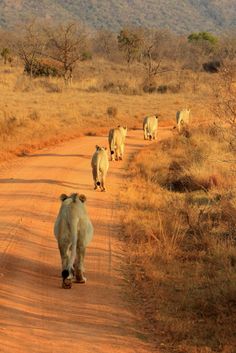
[[116, 139], [73, 231], [150, 125], [100, 165], [182, 119]]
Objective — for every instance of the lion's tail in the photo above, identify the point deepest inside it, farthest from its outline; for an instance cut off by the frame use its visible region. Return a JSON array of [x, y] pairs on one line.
[[113, 144]]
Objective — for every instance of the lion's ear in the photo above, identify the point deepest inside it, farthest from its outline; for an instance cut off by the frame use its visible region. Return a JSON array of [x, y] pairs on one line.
[[82, 198], [63, 197]]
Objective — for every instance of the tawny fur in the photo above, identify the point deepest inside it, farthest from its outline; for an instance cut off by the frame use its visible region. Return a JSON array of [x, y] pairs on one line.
[[116, 139], [73, 231], [150, 125], [100, 165], [182, 119]]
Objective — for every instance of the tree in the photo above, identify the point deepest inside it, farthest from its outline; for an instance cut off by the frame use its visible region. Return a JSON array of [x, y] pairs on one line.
[[66, 44], [202, 37], [5, 54], [155, 47], [105, 43], [203, 44], [224, 106], [129, 42], [31, 47], [201, 48], [8, 42], [227, 46]]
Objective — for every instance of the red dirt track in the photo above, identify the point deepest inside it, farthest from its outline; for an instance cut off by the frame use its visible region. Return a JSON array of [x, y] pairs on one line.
[[37, 315]]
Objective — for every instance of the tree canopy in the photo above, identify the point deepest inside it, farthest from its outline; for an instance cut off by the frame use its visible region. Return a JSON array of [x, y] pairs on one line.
[[202, 36]]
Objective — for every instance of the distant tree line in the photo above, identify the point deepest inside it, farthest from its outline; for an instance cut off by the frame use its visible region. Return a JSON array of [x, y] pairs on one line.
[[55, 50]]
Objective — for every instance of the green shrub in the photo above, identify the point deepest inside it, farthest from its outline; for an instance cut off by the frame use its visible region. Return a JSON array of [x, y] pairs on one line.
[[202, 36]]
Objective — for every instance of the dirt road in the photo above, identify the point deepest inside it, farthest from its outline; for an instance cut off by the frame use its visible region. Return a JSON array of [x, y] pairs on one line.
[[36, 314]]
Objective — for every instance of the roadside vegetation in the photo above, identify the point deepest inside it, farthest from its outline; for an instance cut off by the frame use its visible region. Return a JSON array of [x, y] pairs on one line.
[[179, 227]]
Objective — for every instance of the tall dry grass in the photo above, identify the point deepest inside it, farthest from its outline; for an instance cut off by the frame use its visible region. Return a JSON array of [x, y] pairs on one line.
[[42, 111], [179, 227]]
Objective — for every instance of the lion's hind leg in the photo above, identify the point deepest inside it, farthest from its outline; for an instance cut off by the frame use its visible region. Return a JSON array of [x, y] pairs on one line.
[[94, 170], [79, 266], [67, 273], [145, 133], [103, 180], [66, 280]]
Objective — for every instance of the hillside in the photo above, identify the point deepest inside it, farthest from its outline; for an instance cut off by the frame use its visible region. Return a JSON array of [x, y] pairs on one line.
[[180, 16]]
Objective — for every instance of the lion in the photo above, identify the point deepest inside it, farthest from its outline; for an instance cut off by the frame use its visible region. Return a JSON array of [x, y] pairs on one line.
[[183, 119], [116, 139], [100, 165], [150, 125], [73, 231]]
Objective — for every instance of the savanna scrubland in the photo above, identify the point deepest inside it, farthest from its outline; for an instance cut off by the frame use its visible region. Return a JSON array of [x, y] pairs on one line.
[[179, 220]]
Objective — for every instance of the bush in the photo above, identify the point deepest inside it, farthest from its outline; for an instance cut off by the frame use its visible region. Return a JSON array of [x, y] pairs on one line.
[[50, 87], [174, 88], [119, 88], [43, 69], [8, 124], [149, 89], [35, 116], [86, 56], [212, 66], [202, 36], [162, 89], [112, 112]]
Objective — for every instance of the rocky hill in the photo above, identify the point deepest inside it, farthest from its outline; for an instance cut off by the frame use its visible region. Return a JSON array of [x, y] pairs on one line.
[[181, 16]]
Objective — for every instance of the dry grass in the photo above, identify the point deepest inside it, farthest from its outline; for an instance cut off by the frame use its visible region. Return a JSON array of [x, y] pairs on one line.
[[181, 242], [42, 111]]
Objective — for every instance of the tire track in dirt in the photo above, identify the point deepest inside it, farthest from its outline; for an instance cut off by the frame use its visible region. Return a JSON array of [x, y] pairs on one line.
[[37, 315]]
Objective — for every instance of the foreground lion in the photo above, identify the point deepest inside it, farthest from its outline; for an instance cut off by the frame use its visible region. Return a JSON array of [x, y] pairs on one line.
[[73, 231], [116, 139]]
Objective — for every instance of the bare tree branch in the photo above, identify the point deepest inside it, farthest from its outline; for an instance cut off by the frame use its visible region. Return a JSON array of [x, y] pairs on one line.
[[66, 44]]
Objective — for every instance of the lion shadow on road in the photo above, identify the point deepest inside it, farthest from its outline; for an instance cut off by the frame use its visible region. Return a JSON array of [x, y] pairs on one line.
[[134, 145], [98, 316], [39, 181], [59, 155]]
